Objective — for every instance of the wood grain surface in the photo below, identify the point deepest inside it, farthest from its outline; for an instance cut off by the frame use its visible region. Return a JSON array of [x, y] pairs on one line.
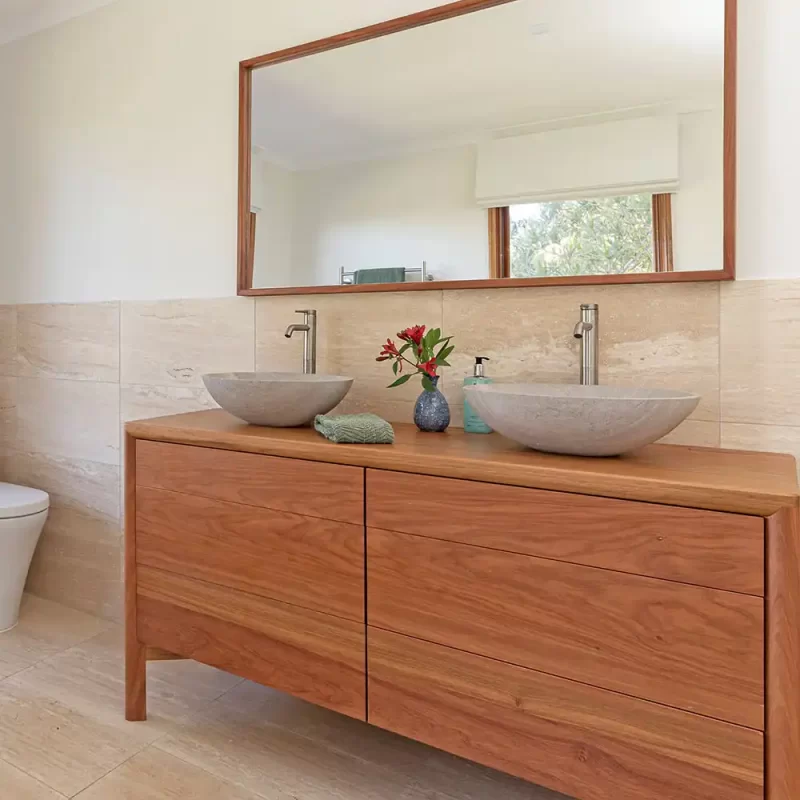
[[310, 655], [135, 662], [783, 656], [584, 742], [694, 477], [706, 548], [329, 491], [310, 562], [693, 648]]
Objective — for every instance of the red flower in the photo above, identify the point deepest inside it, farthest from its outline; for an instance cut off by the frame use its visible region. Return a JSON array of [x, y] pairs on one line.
[[429, 368], [413, 334], [389, 351]]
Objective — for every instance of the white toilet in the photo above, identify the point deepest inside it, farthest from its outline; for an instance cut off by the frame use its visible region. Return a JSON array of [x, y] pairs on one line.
[[23, 512]]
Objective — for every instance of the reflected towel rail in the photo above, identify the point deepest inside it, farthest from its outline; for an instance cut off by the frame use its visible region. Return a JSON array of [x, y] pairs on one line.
[[348, 277]]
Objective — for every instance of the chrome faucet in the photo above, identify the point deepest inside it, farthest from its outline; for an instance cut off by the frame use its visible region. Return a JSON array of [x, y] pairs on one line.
[[587, 331], [309, 329]]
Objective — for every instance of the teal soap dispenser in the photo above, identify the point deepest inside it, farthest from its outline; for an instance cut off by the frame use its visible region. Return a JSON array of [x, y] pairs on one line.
[[472, 422]]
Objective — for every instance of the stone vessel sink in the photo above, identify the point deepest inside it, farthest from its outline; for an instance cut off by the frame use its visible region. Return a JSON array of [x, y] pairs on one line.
[[580, 420], [277, 399]]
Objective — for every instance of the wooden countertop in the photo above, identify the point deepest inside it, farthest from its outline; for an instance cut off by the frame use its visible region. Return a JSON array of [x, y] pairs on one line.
[[696, 477]]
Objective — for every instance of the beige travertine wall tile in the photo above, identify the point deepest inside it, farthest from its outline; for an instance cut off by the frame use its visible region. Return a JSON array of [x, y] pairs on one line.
[[766, 438], [71, 419], [154, 775], [8, 411], [760, 354], [71, 341], [352, 329], [19, 786], [82, 573], [145, 402], [694, 432], [78, 559], [8, 340], [174, 342], [664, 335]]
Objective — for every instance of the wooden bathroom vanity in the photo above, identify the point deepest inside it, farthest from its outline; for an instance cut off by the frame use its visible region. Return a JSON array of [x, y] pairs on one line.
[[625, 628]]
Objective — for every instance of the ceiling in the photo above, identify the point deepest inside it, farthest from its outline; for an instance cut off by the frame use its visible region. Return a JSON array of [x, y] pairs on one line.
[[512, 67], [22, 17]]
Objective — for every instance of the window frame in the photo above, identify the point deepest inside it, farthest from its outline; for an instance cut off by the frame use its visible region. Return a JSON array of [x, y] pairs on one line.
[[500, 238]]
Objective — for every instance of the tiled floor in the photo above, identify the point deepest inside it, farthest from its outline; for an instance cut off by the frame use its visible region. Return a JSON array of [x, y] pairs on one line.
[[209, 736]]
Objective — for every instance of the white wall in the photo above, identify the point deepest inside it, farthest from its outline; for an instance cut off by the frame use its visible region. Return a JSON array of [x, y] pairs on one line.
[[273, 263], [697, 209], [118, 143], [395, 212]]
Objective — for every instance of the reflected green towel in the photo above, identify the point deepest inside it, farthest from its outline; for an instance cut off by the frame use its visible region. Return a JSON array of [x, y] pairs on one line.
[[384, 275], [355, 429]]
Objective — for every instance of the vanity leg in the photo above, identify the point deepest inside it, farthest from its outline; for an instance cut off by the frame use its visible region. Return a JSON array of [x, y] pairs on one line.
[[135, 679], [135, 651]]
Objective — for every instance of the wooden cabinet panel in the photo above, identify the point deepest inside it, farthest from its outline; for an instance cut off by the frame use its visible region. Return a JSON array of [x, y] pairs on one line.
[[706, 548], [310, 655], [693, 648], [576, 739], [311, 562], [329, 491]]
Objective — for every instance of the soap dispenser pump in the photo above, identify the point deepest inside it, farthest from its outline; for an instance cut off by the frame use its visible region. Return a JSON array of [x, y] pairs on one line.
[[472, 422]]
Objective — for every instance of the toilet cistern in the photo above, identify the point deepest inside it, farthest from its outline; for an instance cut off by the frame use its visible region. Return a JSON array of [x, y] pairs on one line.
[[586, 330]]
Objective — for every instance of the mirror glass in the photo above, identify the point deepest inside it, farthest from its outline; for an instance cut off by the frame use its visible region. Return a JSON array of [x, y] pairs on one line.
[[534, 139]]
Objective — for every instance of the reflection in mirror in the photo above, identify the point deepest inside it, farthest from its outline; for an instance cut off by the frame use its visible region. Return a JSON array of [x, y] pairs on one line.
[[535, 139]]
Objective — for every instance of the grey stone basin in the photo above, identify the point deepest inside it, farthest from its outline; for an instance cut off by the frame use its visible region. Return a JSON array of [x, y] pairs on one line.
[[580, 420], [277, 399]]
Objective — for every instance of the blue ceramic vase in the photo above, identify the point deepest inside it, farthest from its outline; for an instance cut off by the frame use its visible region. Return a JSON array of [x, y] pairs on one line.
[[432, 413]]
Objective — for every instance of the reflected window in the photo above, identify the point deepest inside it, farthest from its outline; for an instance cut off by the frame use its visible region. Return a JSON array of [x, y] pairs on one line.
[[599, 236]]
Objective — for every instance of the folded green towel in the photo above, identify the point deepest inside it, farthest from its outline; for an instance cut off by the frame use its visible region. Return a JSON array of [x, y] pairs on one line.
[[382, 275], [355, 429]]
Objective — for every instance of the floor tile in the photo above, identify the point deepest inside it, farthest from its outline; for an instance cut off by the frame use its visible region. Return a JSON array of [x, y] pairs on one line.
[[156, 775], [312, 753], [56, 743], [45, 629], [90, 679], [16, 785]]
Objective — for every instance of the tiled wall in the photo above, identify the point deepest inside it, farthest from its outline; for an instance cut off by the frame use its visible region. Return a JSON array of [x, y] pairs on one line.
[[71, 375]]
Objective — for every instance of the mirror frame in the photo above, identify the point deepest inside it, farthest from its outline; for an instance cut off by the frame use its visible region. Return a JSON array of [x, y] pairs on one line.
[[438, 14]]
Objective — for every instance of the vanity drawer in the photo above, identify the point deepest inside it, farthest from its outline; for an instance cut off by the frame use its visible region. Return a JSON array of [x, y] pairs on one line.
[[329, 491], [310, 562], [693, 648], [579, 740], [706, 548], [310, 655]]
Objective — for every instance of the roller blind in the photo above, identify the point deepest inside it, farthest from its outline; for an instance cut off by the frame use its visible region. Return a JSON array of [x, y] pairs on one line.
[[614, 158]]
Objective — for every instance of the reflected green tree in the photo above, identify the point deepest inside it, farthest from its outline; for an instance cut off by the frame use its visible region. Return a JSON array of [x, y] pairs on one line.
[[582, 237]]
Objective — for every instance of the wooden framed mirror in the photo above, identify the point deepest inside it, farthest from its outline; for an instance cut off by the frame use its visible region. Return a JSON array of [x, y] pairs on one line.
[[493, 143]]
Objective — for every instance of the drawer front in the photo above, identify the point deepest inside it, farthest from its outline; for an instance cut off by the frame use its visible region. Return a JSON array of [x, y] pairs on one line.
[[310, 655], [576, 739], [693, 648], [706, 548], [310, 562], [329, 491]]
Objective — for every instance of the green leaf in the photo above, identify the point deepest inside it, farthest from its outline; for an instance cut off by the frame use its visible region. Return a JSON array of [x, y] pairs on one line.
[[443, 355], [427, 384], [440, 363], [399, 381], [395, 367], [405, 347], [431, 338]]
